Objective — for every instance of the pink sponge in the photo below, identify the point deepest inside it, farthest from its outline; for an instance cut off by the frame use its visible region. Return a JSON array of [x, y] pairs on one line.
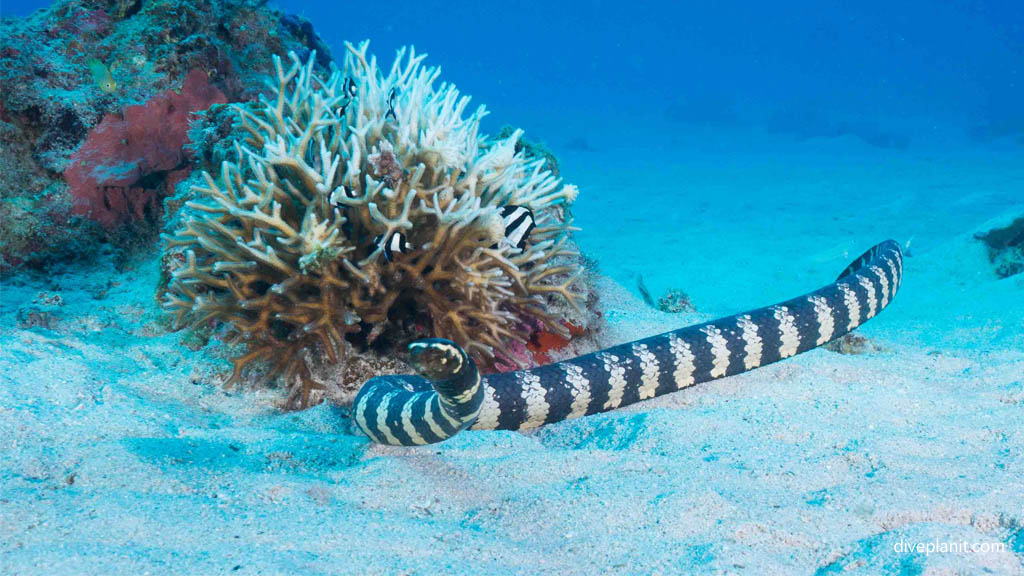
[[120, 171]]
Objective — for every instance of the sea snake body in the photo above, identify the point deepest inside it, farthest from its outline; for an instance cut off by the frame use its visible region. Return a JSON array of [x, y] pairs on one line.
[[449, 394]]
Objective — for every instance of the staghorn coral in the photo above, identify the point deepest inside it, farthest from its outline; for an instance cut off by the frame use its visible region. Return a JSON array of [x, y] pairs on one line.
[[286, 247]]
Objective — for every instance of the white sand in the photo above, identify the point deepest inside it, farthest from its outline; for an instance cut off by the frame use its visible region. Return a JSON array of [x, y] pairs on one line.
[[120, 455]]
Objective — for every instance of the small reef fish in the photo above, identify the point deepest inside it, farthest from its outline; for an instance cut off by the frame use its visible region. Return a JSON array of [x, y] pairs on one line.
[[519, 222], [349, 193], [101, 74], [391, 106], [350, 87], [335, 200], [396, 244]]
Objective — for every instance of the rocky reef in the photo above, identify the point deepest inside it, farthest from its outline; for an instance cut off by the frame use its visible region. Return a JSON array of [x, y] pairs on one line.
[[364, 209], [85, 80], [389, 223]]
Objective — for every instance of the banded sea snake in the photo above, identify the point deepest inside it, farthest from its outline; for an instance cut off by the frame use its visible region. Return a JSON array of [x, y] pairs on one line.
[[450, 395]]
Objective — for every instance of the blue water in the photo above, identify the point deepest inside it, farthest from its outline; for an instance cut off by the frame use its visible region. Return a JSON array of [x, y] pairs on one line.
[[913, 69], [912, 72]]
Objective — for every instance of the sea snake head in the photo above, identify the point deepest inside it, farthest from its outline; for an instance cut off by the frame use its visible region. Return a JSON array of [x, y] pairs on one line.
[[452, 373], [437, 359], [445, 398]]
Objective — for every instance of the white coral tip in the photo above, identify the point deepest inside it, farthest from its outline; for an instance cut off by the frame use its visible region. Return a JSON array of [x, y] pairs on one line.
[[571, 192]]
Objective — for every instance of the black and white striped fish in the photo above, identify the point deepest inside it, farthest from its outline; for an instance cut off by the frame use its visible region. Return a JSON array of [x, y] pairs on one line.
[[391, 105], [519, 222], [449, 394], [347, 191], [396, 244]]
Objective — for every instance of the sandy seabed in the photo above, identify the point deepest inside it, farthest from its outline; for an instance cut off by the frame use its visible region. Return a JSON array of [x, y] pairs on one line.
[[119, 454]]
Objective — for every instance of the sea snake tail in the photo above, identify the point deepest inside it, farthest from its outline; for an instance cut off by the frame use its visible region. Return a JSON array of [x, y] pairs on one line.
[[449, 395]]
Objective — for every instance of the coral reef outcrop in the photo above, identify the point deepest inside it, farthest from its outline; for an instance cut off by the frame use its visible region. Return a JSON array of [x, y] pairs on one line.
[[72, 70], [365, 209]]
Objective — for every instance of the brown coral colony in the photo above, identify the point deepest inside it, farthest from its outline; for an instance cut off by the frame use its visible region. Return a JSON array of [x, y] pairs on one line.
[[367, 203]]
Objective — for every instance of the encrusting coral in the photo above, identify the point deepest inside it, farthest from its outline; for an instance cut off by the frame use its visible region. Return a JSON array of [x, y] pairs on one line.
[[366, 204], [96, 97]]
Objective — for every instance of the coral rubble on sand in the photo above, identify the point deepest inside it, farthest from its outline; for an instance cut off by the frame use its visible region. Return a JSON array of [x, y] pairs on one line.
[[852, 344], [89, 72], [366, 209], [675, 301], [1006, 247]]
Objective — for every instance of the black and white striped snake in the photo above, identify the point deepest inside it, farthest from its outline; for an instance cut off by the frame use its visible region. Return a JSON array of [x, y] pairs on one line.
[[449, 394]]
